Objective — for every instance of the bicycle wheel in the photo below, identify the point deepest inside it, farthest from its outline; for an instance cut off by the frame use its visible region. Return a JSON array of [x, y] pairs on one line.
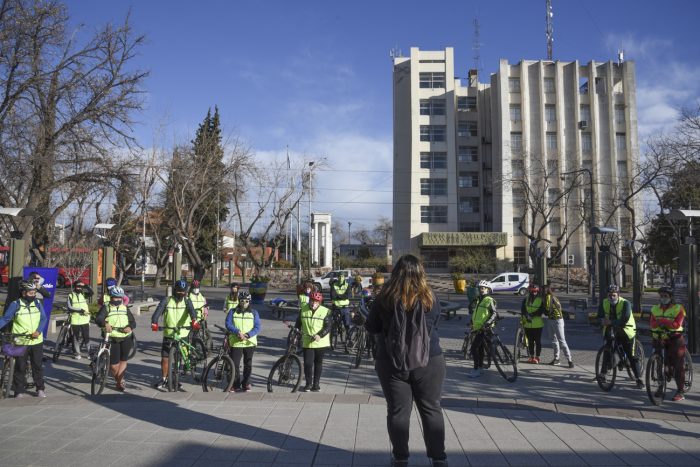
[[352, 340], [639, 355], [655, 379], [132, 353], [285, 374], [688, 365], [198, 357], [466, 346], [60, 343], [206, 337], [505, 363], [99, 374], [605, 368], [218, 375], [8, 371], [174, 364], [520, 344], [360, 350]]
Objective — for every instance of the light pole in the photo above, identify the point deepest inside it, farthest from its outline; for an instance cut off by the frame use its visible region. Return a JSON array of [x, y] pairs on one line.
[[311, 164], [591, 272], [349, 225]]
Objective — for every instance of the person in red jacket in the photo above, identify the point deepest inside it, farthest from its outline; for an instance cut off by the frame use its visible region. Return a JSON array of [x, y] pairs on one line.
[[666, 324]]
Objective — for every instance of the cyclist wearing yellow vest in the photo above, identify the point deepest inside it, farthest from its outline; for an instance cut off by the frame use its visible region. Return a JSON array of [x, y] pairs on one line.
[[339, 296], [232, 298], [28, 319], [666, 324], [305, 289], [198, 301], [176, 310], [555, 322], [531, 312], [243, 323], [119, 323], [615, 314], [484, 313], [80, 316], [314, 321]]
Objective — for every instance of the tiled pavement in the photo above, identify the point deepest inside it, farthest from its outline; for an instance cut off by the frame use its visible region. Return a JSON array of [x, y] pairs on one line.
[[549, 416]]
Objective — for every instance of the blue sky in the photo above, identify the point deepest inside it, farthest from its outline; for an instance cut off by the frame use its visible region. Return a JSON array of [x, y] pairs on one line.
[[316, 75]]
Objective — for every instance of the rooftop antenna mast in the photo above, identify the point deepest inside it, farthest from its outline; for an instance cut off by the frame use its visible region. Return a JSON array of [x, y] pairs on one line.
[[476, 45], [395, 52], [549, 30]]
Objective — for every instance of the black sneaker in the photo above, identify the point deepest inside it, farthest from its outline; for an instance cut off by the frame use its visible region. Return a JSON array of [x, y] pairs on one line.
[[554, 362], [571, 364], [316, 388], [399, 462], [306, 388], [640, 384]]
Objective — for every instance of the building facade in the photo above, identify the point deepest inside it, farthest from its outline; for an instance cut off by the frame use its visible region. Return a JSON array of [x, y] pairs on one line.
[[470, 157]]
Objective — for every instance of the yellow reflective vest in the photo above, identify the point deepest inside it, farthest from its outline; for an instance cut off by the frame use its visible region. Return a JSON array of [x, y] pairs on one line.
[[78, 300], [244, 322], [198, 302], [630, 327], [530, 310], [117, 317], [26, 321], [311, 324]]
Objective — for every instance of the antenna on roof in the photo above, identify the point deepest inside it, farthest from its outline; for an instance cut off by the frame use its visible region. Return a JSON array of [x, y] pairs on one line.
[[549, 30], [476, 45], [395, 52], [620, 56]]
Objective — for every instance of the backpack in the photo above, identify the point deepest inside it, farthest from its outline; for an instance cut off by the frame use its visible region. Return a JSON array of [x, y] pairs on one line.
[[408, 339]]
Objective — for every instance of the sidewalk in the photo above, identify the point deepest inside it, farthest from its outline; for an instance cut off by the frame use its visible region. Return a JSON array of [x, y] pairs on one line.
[[549, 416]]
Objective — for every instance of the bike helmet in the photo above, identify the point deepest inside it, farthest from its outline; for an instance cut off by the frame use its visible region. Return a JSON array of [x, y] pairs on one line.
[[116, 292], [613, 288], [316, 297], [195, 284], [180, 286], [26, 286], [534, 289], [243, 295], [110, 282], [483, 283], [666, 289]]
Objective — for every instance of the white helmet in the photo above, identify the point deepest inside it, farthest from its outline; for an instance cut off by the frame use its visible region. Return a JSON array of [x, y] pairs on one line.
[[483, 283]]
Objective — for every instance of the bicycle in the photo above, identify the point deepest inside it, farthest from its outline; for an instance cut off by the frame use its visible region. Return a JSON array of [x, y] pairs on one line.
[[203, 331], [337, 327], [497, 352], [184, 356], [286, 372], [10, 352], [359, 340], [520, 346], [612, 357], [99, 364], [658, 374], [219, 373], [65, 335]]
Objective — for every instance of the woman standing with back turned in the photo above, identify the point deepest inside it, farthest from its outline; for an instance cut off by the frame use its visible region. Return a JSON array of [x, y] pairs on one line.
[[409, 362]]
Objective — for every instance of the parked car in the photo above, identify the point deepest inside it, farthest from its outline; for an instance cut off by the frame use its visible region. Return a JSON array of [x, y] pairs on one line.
[[323, 282], [515, 282]]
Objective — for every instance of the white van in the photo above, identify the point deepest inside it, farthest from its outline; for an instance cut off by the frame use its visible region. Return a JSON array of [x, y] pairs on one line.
[[515, 282]]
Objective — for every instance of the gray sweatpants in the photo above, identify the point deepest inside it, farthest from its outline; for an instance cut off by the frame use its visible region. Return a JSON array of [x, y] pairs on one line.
[[556, 329]]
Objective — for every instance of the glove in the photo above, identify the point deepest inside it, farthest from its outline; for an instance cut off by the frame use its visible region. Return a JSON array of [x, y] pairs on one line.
[[196, 326], [154, 327]]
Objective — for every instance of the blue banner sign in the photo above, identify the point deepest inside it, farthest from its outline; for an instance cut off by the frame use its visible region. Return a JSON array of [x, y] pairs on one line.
[[49, 278]]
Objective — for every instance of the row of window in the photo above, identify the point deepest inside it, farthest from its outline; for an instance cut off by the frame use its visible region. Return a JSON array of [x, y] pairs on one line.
[[438, 159], [438, 133], [548, 85], [516, 142], [438, 186], [437, 214], [437, 106], [550, 113]]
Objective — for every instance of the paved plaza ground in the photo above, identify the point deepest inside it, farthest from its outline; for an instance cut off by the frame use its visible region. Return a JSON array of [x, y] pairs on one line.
[[549, 416]]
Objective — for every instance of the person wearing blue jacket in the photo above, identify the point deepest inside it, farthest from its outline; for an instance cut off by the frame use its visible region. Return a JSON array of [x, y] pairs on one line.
[[28, 319], [243, 324]]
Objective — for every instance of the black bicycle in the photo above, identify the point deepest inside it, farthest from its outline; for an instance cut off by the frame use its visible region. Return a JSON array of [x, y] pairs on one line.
[[497, 352], [186, 354], [65, 339], [359, 341], [286, 372], [9, 353], [337, 328], [219, 373], [658, 374], [612, 358]]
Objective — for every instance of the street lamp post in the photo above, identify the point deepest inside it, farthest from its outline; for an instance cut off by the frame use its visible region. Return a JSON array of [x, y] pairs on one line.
[[311, 164]]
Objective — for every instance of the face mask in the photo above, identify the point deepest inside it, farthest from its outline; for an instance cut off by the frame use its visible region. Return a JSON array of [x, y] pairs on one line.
[[195, 291], [665, 301], [314, 305], [614, 300], [245, 304], [116, 301]]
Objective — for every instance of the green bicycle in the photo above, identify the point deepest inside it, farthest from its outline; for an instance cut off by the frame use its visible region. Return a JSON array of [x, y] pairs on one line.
[[187, 355]]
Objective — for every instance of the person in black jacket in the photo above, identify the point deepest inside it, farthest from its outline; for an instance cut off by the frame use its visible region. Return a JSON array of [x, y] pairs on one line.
[[407, 292]]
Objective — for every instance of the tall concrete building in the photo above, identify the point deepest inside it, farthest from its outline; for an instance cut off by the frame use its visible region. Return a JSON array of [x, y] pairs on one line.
[[460, 145]]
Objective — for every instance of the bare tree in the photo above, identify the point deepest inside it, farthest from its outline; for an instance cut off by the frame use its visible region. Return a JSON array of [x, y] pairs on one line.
[[75, 259], [64, 108]]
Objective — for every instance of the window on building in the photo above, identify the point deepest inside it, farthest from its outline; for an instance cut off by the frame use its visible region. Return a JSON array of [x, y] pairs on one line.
[[468, 180], [469, 227], [586, 143], [467, 154], [617, 85], [433, 214], [549, 85], [553, 196], [620, 114], [516, 142], [519, 256], [583, 85], [554, 227], [433, 160], [467, 129], [432, 106], [600, 85], [551, 140], [466, 103], [517, 168], [433, 186], [621, 142], [468, 205], [621, 169], [552, 168], [516, 226], [515, 113], [550, 113], [432, 80], [433, 133], [514, 84], [518, 197], [586, 114]]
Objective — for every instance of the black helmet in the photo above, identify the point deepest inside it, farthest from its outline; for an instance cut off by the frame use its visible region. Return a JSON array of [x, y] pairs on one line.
[[26, 286], [180, 286], [243, 295], [666, 289], [613, 288]]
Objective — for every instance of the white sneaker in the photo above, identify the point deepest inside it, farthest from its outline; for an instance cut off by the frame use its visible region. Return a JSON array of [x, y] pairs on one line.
[[475, 373], [41, 393], [77, 356]]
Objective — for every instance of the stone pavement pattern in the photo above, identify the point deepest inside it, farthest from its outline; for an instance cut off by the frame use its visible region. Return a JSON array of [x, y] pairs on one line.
[[549, 416]]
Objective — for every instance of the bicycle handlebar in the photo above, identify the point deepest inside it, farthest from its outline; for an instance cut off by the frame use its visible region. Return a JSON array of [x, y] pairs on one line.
[[176, 328]]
